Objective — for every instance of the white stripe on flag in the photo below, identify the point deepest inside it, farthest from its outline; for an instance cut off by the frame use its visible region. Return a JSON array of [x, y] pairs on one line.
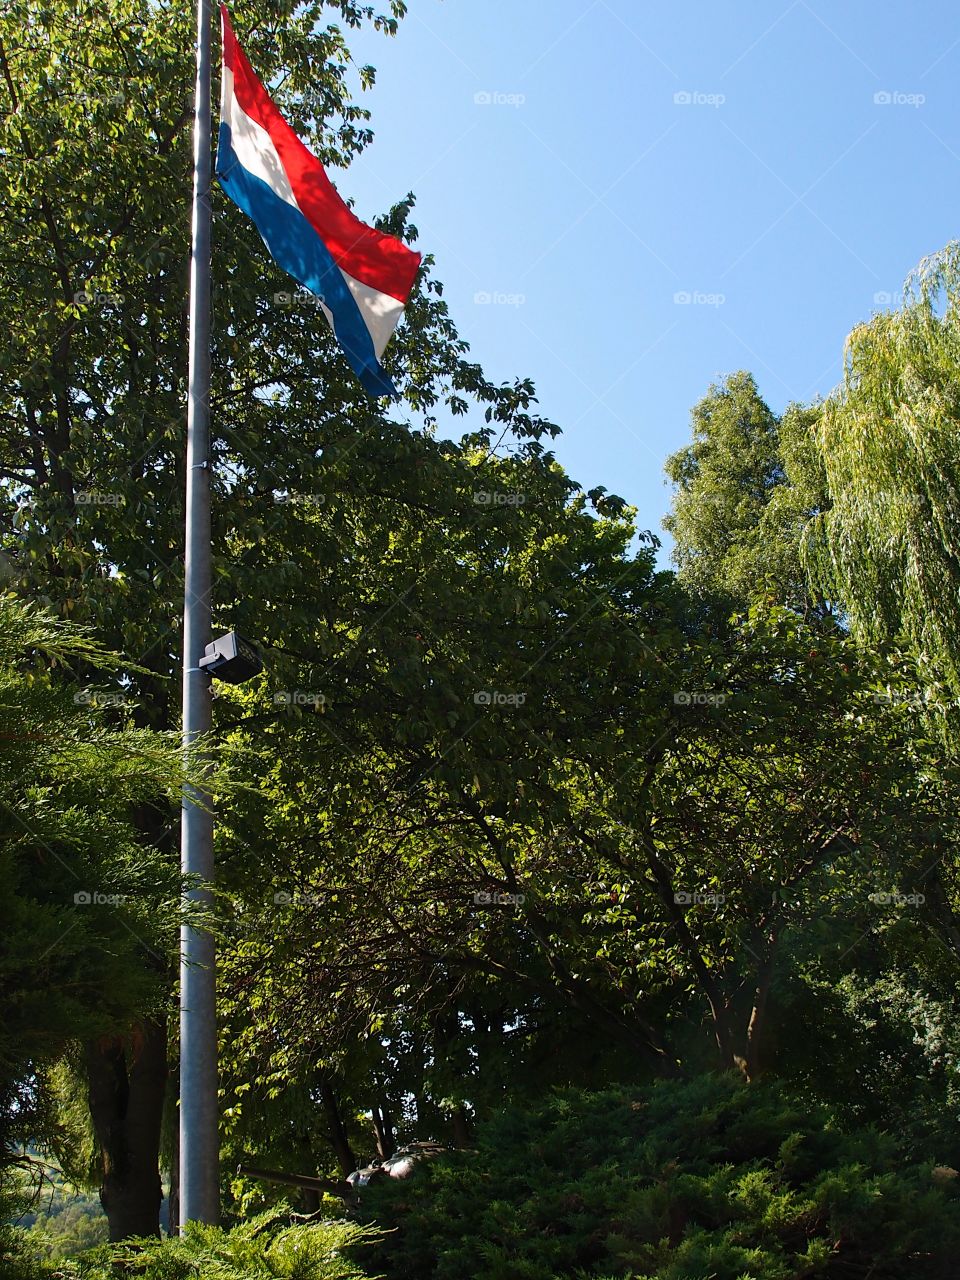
[[380, 311]]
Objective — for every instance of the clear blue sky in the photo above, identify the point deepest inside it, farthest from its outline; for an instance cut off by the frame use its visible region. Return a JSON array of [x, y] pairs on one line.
[[580, 196]]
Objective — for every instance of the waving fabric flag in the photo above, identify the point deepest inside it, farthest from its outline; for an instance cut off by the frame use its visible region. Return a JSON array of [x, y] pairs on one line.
[[361, 276]]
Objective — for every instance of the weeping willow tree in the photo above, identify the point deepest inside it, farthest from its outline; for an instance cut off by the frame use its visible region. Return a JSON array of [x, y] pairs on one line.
[[888, 542]]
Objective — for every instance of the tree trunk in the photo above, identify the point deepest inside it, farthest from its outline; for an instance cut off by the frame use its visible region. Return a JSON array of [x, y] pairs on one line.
[[383, 1129], [173, 1201], [461, 1127], [753, 1063], [338, 1134], [127, 1081]]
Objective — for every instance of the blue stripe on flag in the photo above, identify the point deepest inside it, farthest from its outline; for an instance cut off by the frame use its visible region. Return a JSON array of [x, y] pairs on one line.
[[296, 247]]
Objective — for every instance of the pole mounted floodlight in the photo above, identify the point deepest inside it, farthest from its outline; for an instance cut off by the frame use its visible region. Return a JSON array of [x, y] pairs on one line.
[[231, 658]]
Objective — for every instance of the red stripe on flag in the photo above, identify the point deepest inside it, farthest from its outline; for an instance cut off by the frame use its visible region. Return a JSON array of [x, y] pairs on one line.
[[229, 39], [383, 262]]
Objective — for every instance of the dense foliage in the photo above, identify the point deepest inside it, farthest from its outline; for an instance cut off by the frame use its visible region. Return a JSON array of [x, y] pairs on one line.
[[682, 1180], [745, 490], [267, 1247], [890, 444], [58, 1220], [84, 893]]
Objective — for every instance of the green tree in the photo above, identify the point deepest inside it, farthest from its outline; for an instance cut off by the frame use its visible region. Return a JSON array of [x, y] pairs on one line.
[[450, 663], [887, 542], [85, 893], [444, 909], [743, 491]]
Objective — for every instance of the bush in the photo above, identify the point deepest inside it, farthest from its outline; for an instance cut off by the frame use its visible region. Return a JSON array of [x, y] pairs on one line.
[[260, 1249], [59, 1221], [20, 1258], [679, 1181]]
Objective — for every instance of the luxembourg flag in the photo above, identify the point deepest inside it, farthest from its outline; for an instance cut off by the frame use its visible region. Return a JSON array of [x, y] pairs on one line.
[[361, 277]]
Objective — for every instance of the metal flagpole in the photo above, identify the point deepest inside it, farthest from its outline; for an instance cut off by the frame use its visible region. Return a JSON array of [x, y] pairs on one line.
[[199, 1175]]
